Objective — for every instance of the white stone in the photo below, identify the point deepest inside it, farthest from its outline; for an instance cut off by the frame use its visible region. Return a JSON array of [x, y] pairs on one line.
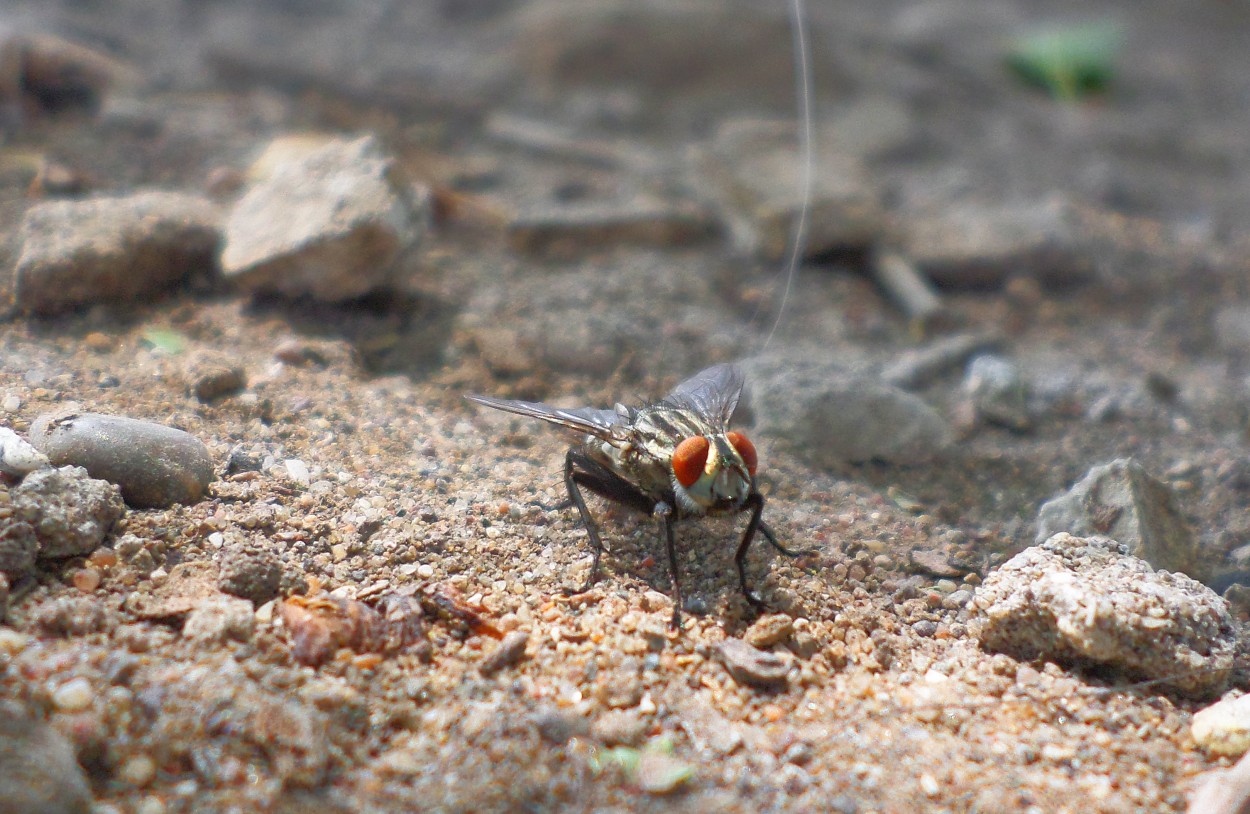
[[1224, 728]]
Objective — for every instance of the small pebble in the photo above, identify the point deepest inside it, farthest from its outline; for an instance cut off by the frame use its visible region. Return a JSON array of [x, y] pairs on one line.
[[11, 404], [748, 665], [76, 254], [17, 458], [998, 392], [151, 805], [661, 773], [297, 471], [12, 642], [619, 727], [509, 652], [86, 579], [1224, 728], [137, 771], [957, 599], [210, 377], [40, 774], [558, 726], [769, 630], [18, 546], [74, 695]]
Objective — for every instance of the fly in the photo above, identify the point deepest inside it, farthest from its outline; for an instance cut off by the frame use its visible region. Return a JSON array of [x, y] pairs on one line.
[[674, 460]]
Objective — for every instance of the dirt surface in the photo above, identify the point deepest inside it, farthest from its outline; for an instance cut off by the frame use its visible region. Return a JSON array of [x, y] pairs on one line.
[[891, 704]]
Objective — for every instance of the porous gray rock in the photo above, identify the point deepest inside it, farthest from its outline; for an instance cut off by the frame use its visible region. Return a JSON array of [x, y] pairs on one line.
[[830, 416], [326, 220], [71, 512], [251, 573], [18, 546], [155, 466], [1124, 502], [111, 249], [1084, 601]]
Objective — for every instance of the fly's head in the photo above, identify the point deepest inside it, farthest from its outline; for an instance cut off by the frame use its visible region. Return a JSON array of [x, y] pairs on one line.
[[714, 472]]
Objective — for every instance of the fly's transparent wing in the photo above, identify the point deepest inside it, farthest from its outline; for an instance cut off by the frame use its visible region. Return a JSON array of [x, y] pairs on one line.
[[599, 423], [712, 393]]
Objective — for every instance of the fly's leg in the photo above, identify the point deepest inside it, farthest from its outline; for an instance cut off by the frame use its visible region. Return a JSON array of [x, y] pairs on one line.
[[571, 478], [583, 472], [755, 502], [772, 541], [665, 513]]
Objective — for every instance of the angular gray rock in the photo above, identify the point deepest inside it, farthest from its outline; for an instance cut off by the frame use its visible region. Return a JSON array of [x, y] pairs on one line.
[[1084, 601], [71, 512], [155, 466], [1121, 500], [118, 249], [830, 416], [326, 220]]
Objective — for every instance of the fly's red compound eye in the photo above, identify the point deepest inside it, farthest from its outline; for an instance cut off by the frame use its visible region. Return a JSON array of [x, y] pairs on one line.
[[746, 449], [689, 459]]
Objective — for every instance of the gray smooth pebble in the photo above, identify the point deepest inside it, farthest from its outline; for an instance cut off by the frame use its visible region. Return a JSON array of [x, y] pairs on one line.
[[155, 466]]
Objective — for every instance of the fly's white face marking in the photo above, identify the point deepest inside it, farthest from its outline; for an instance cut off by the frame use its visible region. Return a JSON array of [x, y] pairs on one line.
[[724, 483]]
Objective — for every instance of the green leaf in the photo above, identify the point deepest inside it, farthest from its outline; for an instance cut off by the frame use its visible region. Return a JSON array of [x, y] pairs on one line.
[[1069, 62], [165, 340]]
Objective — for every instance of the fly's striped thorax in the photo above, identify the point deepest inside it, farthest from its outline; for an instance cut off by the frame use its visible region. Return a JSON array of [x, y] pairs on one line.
[[659, 429]]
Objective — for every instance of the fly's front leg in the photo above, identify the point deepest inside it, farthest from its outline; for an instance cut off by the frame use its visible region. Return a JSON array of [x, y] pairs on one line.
[[592, 531], [772, 541], [664, 512], [755, 502]]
